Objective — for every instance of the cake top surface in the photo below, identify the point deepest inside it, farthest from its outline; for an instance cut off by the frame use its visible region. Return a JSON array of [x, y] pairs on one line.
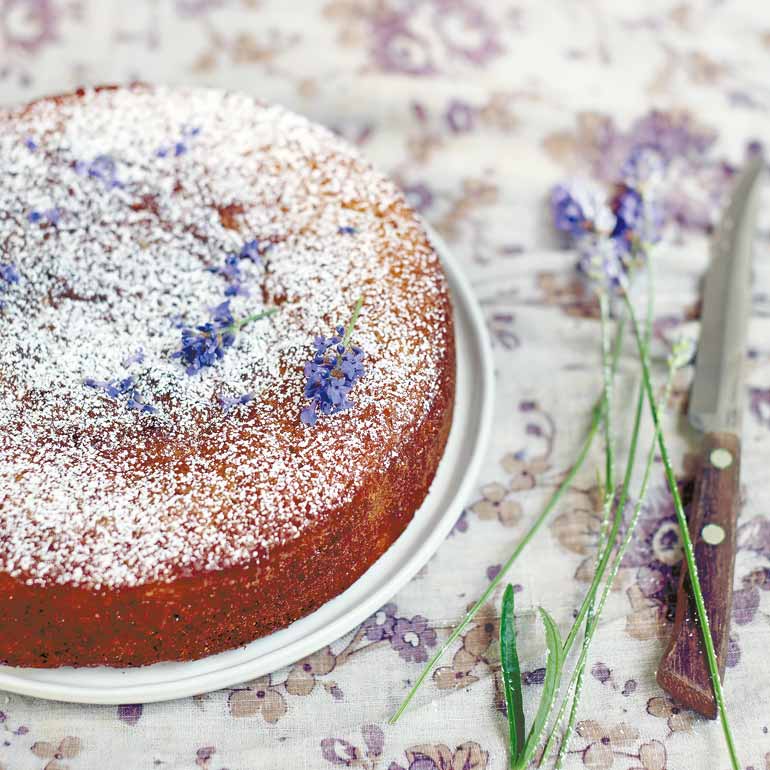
[[128, 215]]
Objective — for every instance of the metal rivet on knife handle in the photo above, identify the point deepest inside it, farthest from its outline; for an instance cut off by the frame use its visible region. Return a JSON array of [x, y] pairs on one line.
[[713, 534], [721, 458]]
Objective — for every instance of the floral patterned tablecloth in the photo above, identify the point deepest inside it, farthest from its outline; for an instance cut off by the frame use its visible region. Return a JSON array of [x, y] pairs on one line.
[[476, 107]]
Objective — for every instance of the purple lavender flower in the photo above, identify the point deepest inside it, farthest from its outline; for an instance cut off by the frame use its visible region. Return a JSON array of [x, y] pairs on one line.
[[330, 377], [102, 167], [203, 346], [231, 271], [206, 344], [135, 358], [30, 144], [134, 402], [351, 364], [237, 290], [180, 146], [230, 402], [579, 208], [638, 218], [251, 250], [628, 208], [115, 389], [601, 259], [347, 230], [754, 149], [612, 240], [51, 216], [411, 638], [9, 274], [222, 315], [332, 372], [644, 167]]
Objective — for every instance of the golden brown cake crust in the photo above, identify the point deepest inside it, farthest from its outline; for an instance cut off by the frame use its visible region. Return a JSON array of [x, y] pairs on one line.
[[166, 519]]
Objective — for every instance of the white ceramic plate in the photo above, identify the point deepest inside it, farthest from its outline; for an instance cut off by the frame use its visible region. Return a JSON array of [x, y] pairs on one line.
[[432, 523]]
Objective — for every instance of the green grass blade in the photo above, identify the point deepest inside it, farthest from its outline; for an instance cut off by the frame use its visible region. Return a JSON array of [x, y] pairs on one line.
[[509, 658], [580, 671], [553, 667], [592, 622]]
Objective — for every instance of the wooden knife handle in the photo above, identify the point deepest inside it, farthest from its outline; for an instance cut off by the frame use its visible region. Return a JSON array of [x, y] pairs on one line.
[[683, 670]]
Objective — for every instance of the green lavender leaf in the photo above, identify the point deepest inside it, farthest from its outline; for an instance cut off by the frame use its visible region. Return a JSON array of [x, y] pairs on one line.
[[511, 677], [352, 322], [553, 669], [236, 326]]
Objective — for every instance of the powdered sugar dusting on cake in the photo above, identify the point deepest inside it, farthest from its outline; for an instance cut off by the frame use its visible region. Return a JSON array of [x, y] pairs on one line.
[[118, 210]]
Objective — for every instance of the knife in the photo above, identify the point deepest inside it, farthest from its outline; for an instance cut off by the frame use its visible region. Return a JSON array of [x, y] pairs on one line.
[[716, 401]]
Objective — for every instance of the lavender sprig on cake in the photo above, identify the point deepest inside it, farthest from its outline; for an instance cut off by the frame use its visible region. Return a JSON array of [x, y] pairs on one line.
[[206, 344], [332, 372], [115, 389], [231, 269]]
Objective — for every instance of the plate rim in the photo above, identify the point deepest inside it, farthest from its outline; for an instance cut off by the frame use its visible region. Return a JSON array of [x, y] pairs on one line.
[[236, 673]]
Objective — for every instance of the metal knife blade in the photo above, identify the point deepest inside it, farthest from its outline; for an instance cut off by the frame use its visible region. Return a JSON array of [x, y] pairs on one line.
[[716, 398]]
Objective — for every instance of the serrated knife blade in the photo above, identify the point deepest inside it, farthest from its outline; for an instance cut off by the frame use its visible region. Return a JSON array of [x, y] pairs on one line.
[[716, 399]]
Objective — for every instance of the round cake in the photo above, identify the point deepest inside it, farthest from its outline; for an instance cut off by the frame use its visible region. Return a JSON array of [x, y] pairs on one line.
[[227, 373]]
